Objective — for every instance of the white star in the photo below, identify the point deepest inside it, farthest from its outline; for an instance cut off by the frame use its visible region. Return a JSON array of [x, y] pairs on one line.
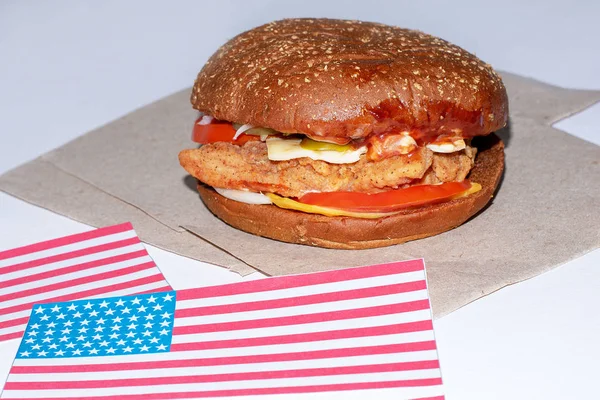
[[97, 337], [83, 329], [98, 329], [93, 351], [87, 344], [103, 343], [70, 345], [88, 306], [164, 332], [53, 346], [77, 352], [110, 311], [113, 335], [117, 320], [131, 326], [68, 323], [161, 347], [130, 334], [39, 310], [120, 303], [72, 307], [146, 333], [167, 297], [42, 353], [66, 331], [104, 304], [63, 339], [144, 348], [142, 309], [100, 321], [133, 318], [80, 338], [116, 327], [32, 333], [110, 351], [49, 332], [149, 317], [60, 316], [137, 341], [25, 354], [85, 322], [77, 315], [94, 313], [157, 307], [135, 301], [36, 347], [165, 323], [44, 317], [56, 308], [35, 326], [125, 310], [151, 299], [121, 342], [29, 341], [154, 340], [165, 315], [51, 325], [148, 325], [59, 353], [46, 340], [127, 349]]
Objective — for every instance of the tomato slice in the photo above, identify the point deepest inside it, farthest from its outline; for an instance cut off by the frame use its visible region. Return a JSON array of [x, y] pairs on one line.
[[218, 131], [391, 200]]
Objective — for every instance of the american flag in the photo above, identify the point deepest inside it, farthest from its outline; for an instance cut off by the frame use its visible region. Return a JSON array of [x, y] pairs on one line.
[[103, 262], [345, 331]]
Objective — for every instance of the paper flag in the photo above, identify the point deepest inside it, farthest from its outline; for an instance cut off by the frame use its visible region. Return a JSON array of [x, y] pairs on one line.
[[104, 262], [344, 331]]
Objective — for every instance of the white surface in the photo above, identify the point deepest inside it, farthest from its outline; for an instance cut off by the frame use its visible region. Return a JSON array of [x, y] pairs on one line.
[[68, 67]]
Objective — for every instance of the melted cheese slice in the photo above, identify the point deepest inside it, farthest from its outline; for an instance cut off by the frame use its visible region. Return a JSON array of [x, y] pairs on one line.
[[289, 149]]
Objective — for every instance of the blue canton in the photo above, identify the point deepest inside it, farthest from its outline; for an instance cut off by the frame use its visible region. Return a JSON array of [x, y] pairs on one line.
[[101, 327]]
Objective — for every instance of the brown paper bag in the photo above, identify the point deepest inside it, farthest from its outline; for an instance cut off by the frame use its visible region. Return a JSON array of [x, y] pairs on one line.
[[542, 215]]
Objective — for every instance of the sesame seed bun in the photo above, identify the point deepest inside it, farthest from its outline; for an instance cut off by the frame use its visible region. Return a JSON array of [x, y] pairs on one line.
[[341, 79], [354, 233]]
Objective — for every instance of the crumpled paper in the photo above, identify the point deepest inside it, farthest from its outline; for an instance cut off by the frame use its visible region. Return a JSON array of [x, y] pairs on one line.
[[544, 214]]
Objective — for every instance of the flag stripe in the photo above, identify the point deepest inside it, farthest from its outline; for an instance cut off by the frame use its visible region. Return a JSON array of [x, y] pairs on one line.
[[13, 322], [79, 237], [74, 268], [304, 318], [302, 300], [249, 359], [299, 280], [251, 391], [305, 337], [69, 255]]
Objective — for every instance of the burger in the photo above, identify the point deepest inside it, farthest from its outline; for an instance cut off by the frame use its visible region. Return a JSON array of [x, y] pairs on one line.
[[345, 134]]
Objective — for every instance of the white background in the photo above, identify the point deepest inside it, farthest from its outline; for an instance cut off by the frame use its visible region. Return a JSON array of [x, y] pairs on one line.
[[69, 67]]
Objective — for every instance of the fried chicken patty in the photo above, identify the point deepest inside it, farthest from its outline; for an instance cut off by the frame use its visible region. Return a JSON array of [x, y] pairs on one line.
[[224, 165]]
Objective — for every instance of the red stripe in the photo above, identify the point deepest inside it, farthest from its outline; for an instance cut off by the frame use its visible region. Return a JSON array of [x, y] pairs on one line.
[[307, 337], [79, 281], [13, 335], [69, 255], [237, 376], [79, 237], [86, 293], [258, 391], [14, 322], [303, 300], [305, 318], [285, 282], [431, 398], [74, 268], [251, 359]]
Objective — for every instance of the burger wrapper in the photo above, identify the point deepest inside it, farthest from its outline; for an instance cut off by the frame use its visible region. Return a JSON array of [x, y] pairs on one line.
[[544, 214]]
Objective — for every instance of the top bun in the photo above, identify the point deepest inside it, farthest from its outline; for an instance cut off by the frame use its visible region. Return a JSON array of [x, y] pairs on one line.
[[349, 79]]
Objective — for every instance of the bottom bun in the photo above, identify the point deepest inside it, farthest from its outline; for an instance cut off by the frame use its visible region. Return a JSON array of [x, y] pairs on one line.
[[355, 233]]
